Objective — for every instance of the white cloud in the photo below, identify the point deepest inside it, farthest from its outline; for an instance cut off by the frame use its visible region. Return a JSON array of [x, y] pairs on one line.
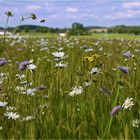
[[31, 8], [71, 10], [124, 14], [128, 5]]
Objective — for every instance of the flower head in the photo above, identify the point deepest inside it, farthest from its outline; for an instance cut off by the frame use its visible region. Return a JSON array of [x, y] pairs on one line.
[[115, 110], [123, 68], [91, 58], [58, 54], [23, 65], [128, 103], [127, 54], [136, 123], [94, 70], [2, 62], [9, 13], [3, 104], [28, 118], [76, 90], [31, 67], [33, 16], [61, 65], [12, 115]]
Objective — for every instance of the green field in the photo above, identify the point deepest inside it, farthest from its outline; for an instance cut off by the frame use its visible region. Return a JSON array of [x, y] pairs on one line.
[[94, 35], [83, 83]]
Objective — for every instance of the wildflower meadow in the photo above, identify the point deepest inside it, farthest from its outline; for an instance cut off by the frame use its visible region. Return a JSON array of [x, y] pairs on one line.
[[69, 87]]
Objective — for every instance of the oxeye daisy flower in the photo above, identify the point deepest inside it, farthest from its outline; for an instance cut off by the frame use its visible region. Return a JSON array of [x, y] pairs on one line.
[[135, 123], [58, 54], [76, 91], [94, 70], [128, 103], [31, 67], [12, 115], [115, 110], [3, 104], [28, 118], [61, 65], [123, 68]]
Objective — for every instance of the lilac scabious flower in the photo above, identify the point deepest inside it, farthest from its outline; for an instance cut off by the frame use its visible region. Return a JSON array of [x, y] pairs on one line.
[[115, 110], [123, 68], [127, 54], [2, 62], [23, 65]]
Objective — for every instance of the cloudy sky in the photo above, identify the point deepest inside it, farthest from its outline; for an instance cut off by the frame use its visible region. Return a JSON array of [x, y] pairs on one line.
[[62, 13]]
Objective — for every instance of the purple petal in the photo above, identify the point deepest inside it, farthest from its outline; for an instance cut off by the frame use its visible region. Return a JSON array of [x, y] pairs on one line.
[[2, 62], [22, 65], [127, 54], [115, 110], [123, 68]]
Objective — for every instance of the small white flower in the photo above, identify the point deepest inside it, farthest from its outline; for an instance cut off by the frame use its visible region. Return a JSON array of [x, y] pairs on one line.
[[20, 76], [87, 84], [76, 90], [28, 118], [94, 70], [0, 127], [3, 104], [128, 103], [31, 61], [30, 91], [31, 67], [136, 123], [89, 50], [58, 54], [10, 108], [12, 115], [61, 65]]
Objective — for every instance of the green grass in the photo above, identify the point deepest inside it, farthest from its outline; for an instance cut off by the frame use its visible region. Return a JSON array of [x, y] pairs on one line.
[[94, 35], [61, 116]]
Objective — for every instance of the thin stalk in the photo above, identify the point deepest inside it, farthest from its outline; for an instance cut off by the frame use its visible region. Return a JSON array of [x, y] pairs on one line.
[[107, 130], [5, 31]]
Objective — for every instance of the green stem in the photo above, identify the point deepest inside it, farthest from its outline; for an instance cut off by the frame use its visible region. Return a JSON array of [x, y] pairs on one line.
[[107, 130], [4, 44]]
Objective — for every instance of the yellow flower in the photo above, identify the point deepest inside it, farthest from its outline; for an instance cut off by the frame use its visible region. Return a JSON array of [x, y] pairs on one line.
[[91, 58]]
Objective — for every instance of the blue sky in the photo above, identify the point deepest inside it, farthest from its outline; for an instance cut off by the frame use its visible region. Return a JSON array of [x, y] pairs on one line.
[[62, 13]]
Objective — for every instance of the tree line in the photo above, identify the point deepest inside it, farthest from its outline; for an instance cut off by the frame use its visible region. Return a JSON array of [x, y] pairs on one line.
[[76, 29]]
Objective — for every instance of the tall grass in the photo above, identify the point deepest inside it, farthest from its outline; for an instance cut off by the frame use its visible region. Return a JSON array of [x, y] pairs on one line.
[[57, 115]]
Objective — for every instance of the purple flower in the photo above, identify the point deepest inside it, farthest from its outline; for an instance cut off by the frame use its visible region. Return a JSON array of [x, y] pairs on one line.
[[23, 65], [115, 110], [41, 87], [123, 68], [127, 54], [2, 62]]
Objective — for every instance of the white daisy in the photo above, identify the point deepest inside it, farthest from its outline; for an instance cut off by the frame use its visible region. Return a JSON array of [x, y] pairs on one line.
[[76, 90], [128, 103], [12, 115], [94, 70], [3, 104], [136, 123], [58, 54], [61, 65]]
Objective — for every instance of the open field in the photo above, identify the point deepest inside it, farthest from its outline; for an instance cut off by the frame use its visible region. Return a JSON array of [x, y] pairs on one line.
[[93, 35], [53, 88]]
